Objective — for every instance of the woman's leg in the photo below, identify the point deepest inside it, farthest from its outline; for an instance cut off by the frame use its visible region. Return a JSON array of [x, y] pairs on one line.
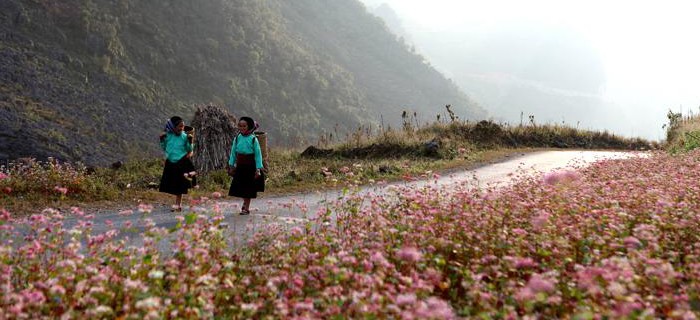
[[246, 206], [178, 202]]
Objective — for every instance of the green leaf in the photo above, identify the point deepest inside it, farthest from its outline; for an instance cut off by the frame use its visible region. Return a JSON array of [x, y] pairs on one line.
[[190, 218]]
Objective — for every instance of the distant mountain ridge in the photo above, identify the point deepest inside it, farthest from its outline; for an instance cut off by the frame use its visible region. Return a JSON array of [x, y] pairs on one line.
[[517, 69], [94, 80]]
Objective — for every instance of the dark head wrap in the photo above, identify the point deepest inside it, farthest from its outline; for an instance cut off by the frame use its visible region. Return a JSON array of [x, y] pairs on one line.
[[252, 125], [172, 123]]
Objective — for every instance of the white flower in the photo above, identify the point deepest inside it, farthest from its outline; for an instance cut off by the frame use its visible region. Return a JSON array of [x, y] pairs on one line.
[[148, 303], [206, 279], [249, 307], [617, 289], [103, 310], [156, 274]]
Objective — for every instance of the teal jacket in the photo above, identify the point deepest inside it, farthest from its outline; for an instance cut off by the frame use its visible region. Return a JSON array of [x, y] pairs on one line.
[[175, 146], [246, 145]]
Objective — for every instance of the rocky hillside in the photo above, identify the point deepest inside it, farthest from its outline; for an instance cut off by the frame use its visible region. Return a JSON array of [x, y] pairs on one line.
[[94, 80]]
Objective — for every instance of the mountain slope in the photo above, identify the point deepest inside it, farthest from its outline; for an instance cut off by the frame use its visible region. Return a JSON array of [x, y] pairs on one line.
[[393, 77], [94, 80]]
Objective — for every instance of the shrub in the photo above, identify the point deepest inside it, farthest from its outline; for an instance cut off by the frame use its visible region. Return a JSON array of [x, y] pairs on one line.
[[51, 179]]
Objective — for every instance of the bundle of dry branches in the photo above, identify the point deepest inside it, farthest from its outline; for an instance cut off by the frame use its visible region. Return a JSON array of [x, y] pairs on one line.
[[262, 139], [215, 128]]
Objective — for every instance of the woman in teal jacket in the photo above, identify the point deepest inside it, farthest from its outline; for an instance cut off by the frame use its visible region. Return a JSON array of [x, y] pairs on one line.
[[178, 171], [245, 164]]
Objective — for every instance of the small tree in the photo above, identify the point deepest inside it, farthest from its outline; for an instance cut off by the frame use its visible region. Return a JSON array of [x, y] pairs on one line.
[[674, 124]]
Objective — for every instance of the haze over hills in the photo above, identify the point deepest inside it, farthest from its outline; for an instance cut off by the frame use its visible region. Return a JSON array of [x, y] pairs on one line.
[[517, 68], [94, 81]]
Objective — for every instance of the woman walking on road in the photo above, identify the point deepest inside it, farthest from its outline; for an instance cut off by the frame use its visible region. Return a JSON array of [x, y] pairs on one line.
[[178, 171], [245, 164]]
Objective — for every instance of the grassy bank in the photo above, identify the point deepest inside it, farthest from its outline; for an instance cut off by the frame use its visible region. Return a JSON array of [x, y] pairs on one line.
[[28, 186], [682, 132]]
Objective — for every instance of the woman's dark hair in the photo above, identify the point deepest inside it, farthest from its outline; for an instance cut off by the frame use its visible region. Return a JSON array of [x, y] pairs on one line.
[[249, 121], [175, 120]]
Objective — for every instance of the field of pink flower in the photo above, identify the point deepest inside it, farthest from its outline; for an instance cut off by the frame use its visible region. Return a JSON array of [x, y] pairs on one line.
[[618, 239]]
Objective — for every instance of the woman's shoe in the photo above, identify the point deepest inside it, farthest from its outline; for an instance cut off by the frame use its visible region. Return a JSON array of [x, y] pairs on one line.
[[245, 211], [176, 209]]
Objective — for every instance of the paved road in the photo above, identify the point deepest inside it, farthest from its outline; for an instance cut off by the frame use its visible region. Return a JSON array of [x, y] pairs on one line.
[[293, 209]]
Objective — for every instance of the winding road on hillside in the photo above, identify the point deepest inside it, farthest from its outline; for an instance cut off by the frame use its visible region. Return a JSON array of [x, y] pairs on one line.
[[289, 210]]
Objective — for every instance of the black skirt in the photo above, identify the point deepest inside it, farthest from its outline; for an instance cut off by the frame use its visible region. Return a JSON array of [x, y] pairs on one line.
[[173, 180], [244, 184]]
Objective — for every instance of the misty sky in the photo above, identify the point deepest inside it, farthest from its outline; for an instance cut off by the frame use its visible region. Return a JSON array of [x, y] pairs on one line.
[[648, 50]]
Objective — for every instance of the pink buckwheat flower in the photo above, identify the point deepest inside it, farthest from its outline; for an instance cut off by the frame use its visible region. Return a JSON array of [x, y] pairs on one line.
[[60, 190], [540, 221], [410, 254], [57, 289], [434, 308], [632, 243], [539, 284], [145, 208], [561, 176], [524, 263], [406, 299], [4, 215]]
